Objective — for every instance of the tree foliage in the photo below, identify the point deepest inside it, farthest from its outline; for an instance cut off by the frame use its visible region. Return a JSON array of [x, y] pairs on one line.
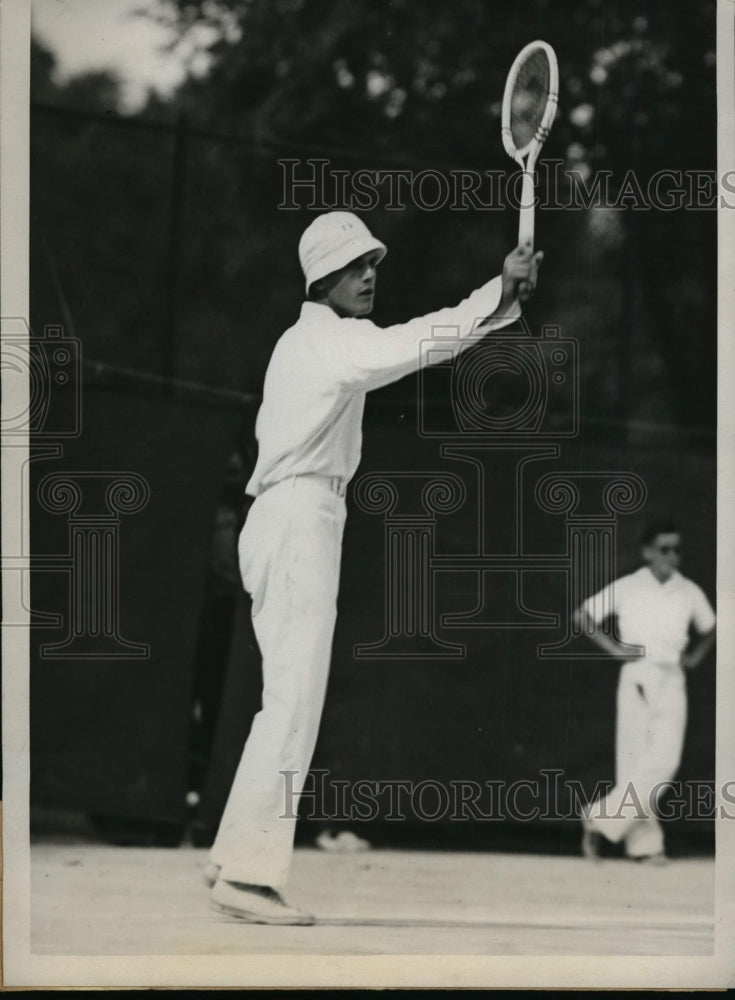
[[370, 83], [427, 78]]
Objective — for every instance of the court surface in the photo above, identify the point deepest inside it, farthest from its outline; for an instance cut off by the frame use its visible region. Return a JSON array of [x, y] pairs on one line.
[[102, 900]]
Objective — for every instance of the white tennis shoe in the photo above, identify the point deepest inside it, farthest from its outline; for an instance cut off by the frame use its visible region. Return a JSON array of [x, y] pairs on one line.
[[211, 874], [255, 904]]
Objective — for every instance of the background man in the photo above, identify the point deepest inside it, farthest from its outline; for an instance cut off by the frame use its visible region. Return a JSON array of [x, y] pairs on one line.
[[309, 431], [655, 607]]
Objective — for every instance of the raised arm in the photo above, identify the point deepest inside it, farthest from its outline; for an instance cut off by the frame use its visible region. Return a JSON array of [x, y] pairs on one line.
[[367, 356]]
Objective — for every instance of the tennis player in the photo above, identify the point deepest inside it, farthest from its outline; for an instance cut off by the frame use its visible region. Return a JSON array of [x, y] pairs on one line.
[[309, 431], [659, 608]]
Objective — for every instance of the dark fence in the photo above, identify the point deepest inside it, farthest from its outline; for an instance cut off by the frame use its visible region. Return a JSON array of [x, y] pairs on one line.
[[171, 248], [115, 733], [161, 246], [122, 525]]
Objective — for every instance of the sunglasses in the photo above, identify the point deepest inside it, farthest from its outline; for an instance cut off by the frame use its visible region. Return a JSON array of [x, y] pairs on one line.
[[667, 550]]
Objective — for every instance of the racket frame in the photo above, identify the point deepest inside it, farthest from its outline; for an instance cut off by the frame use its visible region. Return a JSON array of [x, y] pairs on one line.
[[532, 147], [527, 156]]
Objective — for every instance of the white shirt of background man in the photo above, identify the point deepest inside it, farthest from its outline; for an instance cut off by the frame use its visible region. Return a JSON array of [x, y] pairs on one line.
[[653, 614]]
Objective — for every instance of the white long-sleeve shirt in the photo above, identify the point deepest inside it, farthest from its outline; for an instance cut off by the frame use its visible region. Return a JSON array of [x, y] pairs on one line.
[[310, 420]]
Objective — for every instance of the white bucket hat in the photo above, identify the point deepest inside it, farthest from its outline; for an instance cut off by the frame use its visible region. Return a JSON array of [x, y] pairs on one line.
[[332, 241]]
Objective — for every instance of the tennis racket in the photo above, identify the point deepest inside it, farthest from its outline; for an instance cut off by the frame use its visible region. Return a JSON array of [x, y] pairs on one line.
[[529, 108]]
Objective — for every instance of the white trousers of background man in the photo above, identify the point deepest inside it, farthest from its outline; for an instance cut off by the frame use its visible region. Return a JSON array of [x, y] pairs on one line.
[[290, 550], [651, 721]]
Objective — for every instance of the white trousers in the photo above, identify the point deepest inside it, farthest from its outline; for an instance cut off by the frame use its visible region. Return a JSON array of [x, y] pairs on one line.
[[651, 721], [289, 550]]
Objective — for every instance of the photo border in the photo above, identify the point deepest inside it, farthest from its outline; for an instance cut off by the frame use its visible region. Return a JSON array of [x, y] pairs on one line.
[[22, 968]]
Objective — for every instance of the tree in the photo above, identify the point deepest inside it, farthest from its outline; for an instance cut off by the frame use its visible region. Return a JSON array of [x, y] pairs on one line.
[[422, 83], [388, 84], [98, 218]]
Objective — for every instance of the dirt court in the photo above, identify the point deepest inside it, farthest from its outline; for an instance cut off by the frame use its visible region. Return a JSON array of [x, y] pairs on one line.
[[101, 900]]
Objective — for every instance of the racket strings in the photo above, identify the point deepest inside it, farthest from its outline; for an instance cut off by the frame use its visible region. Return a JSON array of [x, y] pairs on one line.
[[529, 98]]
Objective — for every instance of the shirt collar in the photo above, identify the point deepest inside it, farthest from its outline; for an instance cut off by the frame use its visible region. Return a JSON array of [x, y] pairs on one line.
[[672, 581], [317, 311]]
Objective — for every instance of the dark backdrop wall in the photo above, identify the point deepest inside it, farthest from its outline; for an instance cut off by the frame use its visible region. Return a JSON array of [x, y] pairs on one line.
[[500, 712], [160, 242], [112, 726], [122, 526]]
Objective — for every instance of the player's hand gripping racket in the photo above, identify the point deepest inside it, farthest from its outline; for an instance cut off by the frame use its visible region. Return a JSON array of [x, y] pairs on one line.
[[529, 107]]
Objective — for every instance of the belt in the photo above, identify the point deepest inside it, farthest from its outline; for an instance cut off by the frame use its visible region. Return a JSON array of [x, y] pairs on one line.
[[336, 484]]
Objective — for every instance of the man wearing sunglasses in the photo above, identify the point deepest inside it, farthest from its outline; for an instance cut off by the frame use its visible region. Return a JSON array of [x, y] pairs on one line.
[[658, 609]]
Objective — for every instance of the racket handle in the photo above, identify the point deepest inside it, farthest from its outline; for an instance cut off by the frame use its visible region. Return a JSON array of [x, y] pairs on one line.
[[527, 216]]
